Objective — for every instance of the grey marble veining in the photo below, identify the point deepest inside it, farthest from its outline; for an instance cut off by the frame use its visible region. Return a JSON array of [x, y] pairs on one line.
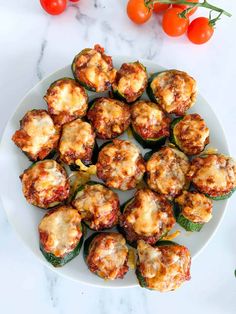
[[33, 45]]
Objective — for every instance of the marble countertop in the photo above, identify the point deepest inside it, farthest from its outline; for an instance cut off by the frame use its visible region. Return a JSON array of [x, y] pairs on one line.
[[34, 44]]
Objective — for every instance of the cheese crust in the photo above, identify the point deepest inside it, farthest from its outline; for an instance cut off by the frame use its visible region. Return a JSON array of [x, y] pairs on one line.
[[149, 121], [120, 165], [108, 256], [214, 174], [60, 230], [66, 101], [147, 216], [194, 206], [37, 135], [77, 142], [98, 206], [167, 170], [191, 134], [94, 69], [109, 117], [175, 91], [164, 268], [45, 184], [131, 81]]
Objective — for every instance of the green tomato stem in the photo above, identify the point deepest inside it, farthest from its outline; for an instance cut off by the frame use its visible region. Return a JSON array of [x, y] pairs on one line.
[[203, 4]]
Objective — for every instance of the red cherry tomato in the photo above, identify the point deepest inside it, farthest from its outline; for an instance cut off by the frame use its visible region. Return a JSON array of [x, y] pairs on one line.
[[54, 7], [173, 24], [184, 7], [160, 7], [200, 30], [138, 12]]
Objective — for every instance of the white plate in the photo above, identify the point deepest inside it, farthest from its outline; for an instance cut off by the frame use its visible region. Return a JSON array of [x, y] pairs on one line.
[[25, 218]]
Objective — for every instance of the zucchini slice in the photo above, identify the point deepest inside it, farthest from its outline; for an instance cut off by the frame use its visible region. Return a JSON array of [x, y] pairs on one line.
[[61, 235], [66, 100], [190, 134], [45, 184], [130, 82], [147, 216], [98, 205], [106, 255], [213, 175], [150, 125], [93, 69], [109, 117], [37, 137], [77, 142], [174, 91], [167, 171], [120, 165], [164, 267]]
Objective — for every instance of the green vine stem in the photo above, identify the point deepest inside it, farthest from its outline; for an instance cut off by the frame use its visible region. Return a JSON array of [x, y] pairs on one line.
[[203, 4]]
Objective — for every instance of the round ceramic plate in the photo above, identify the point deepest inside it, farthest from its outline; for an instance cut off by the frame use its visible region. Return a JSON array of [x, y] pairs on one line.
[[25, 218]]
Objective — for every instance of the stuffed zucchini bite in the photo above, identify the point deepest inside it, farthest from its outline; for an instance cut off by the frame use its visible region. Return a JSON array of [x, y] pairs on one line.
[[60, 235], [146, 216], [77, 142], [66, 100], [45, 184], [106, 255], [130, 82], [193, 210], [120, 165], [167, 171], [214, 175], [164, 267], [173, 90], [93, 69], [109, 117], [37, 137], [190, 133], [150, 125], [97, 205]]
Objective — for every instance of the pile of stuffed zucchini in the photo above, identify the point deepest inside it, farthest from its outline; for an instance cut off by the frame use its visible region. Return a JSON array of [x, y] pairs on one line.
[[175, 181]]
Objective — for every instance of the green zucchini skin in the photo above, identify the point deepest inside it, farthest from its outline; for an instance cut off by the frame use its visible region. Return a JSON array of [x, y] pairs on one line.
[[173, 139], [87, 243], [187, 224], [73, 69], [148, 143], [93, 161], [222, 197], [149, 89], [61, 261]]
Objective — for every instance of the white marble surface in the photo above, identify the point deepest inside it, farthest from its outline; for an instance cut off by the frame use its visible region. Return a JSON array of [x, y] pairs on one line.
[[34, 44]]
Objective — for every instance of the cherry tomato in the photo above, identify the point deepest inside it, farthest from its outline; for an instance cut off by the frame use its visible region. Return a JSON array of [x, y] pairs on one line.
[[173, 24], [54, 7], [138, 12], [160, 7], [200, 30], [184, 7]]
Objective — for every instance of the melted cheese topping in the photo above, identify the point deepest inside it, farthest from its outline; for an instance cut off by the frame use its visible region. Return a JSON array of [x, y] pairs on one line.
[[110, 117], [120, 165], [167, 170], [195, 207], [77, 141], [93, 69], [148, 120], [45, 184], [191, 134], [37, 134], [174, 90], [98, 205], [108, 253], [60, 231], [213, 174], [164, 268], [149, 214], [67, 96]]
